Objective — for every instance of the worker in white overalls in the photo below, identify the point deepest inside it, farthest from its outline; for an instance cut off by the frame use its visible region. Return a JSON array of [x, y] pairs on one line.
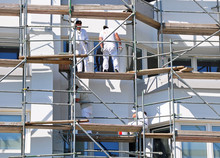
[[82, 98], [110, 48], [140, 119], [81, 46]]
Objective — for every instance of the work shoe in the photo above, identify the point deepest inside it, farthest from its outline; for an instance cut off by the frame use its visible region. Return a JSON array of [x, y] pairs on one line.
[[105, 71], [116, 70]]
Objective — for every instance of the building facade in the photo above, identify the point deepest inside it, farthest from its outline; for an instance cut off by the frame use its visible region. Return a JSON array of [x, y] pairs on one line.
[[44, 89]]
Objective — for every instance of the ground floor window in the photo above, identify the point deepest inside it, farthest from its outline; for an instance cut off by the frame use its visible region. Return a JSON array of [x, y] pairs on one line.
[[194, 149], [216, 146], [10, 140], [9, 52], [208, 65], [182, 62], [161, 145], [107, 146]]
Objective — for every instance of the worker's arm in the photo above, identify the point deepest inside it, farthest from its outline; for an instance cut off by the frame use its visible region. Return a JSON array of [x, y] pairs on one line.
[[118, 38], [100, 39]]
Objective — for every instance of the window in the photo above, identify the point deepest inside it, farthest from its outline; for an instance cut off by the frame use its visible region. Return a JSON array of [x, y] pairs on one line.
[[152, 62], [161, 145], [9, 52], [216, 146], [182, 62], [208, 65], [10, 140], [107, 146], [193, 149], [130, 62]]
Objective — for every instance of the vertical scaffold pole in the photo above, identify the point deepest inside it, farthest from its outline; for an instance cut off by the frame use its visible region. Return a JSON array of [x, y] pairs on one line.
[[161, 32], [144, 140], [24, 80], [172, 99], [135, 62], [20, 29], [71, 84]]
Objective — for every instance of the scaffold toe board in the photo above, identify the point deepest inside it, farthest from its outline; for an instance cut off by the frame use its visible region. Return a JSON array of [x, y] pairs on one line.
[[156, 71], [197, 136], [110, 127], [101, 138], [105, 75], [199, 75], [190, 29]]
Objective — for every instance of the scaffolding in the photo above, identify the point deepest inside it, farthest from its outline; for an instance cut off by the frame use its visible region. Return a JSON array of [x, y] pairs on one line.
[[73, 123]]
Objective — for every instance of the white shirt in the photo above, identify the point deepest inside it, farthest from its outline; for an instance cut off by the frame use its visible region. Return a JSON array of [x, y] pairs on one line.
[[104, 33], [81, 35]]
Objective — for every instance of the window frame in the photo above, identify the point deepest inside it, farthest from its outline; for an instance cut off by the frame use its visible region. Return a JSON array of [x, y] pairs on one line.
[[28, 133]]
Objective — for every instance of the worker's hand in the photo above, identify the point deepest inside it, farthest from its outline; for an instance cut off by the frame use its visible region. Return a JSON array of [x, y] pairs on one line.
[[77, 42], [85, 42], [102, 50], [120, 48]]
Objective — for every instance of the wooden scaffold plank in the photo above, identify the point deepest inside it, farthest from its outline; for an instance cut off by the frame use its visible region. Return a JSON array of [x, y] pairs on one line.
[[101, 138], [199, 75], [159, 135], [147, 20], [110, 127], [9, 62], [56, 122], [10, 127], [106, 75], [190, 29], [197, 136], [156, 71]]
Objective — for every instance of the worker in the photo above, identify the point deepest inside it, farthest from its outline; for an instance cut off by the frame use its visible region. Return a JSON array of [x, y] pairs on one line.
[[81, 46], [140, 119], [110, 48], [81, 99]]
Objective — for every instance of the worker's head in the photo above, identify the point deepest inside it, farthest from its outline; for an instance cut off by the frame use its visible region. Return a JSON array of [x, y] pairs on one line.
[[105, 27], [78, 24], [134, 115]]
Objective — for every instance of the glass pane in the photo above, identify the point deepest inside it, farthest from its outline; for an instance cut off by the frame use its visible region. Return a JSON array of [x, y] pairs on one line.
[[161, 145], [10, 140], [216, 146], [182, 62], [107, 146], [208, 65], [9, 52], [193, 149], [10, 118], [152, 62]]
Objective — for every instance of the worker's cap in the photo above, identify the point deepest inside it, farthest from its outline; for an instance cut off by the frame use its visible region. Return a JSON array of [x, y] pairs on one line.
[[105, 27], [79, 22], [133, 111]]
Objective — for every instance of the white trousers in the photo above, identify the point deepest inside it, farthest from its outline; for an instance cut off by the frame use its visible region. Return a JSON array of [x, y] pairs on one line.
[[106, 53], [81, 50]]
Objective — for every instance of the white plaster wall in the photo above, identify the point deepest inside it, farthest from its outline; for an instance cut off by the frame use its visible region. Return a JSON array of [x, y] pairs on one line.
[[189, 5], [42, 78], [183, 110], [111, 91]]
